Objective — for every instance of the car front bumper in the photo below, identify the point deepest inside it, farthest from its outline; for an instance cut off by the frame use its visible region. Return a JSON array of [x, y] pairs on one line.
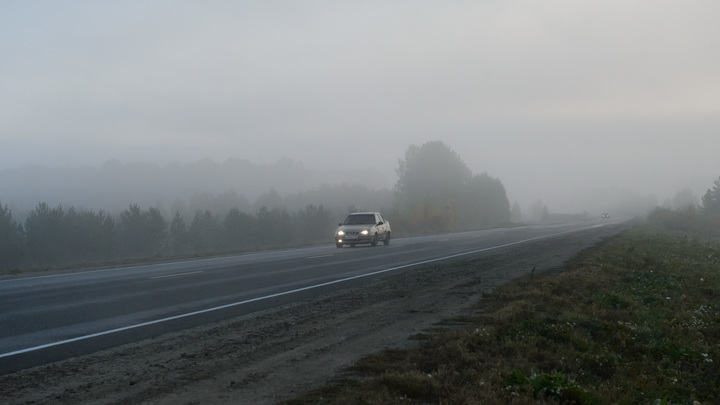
[[352, 239]]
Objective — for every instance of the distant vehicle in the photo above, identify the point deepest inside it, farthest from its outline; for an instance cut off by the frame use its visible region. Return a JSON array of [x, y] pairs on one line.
[[605, 215], [363, 227]]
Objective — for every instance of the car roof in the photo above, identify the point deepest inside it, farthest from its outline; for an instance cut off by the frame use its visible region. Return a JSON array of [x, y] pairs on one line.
[[364, 213]]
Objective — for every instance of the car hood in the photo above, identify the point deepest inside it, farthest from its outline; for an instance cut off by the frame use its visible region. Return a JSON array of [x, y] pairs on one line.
[[352, 228]]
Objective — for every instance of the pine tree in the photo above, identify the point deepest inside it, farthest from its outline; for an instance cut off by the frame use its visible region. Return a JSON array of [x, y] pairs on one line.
[[711, 201], [11, 240]]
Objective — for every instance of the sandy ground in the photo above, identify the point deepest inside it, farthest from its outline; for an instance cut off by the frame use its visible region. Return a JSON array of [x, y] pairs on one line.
[[279, 353]]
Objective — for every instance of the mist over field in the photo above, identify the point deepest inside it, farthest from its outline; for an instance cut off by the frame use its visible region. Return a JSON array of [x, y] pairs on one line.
[[576, 106], [235, 183], [184, 187]]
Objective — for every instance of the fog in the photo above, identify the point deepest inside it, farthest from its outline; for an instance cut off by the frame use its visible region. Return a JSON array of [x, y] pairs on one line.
[[189, 187], [581, 105]]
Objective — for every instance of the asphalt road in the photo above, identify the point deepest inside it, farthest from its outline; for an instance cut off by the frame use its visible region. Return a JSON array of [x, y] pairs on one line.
[[45, 319]]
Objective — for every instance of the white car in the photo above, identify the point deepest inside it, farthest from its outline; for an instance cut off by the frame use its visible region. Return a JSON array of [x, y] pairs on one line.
[[363, 227]]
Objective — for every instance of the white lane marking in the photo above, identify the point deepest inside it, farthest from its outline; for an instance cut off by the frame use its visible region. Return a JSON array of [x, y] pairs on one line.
[[177, 274], [317, 257], [280, 294], [157, 265]]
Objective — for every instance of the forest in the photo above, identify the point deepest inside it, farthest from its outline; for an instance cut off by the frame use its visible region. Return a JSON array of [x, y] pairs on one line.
[[435, 192]]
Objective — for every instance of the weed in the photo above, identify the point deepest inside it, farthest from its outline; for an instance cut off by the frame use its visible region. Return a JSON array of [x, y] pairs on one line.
[[556, 385], [631, 320]]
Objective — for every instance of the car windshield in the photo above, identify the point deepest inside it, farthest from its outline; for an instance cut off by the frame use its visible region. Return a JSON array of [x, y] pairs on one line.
[[360, 219]]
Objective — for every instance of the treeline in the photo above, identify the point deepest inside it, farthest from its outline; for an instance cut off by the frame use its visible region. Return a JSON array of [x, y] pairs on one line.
[[59, 236], [338, 198], [703, 219], [435, 192], [206, 224]]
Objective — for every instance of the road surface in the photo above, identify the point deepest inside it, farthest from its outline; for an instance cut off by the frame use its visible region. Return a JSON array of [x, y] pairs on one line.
[[49, 318]]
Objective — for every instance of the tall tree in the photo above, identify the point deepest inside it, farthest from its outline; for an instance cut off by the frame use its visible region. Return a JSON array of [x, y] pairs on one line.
[[143, 232], [90, 236], [46, 234], [711, 200], [313, 223], [11, 240], [156, 230], [177, 235], [239, 229], [435, 188], [515, 212], [205, 232], [432, 173], [274, 226], [539, 211], [487, 203]]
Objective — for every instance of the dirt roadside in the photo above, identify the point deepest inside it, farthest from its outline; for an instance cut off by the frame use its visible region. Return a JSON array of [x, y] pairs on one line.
[[279, 353]]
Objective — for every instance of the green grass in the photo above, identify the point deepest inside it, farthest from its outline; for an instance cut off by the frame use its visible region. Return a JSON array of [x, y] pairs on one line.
[[634, 320]]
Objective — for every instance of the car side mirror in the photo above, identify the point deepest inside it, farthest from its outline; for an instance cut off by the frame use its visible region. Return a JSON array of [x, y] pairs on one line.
[[380, 223], [339, 223]]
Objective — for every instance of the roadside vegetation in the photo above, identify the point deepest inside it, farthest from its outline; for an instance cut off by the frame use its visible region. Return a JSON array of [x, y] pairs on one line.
[[633, 320]]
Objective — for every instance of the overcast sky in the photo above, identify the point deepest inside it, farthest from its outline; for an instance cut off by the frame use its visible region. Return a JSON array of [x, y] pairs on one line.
[[555, 98]]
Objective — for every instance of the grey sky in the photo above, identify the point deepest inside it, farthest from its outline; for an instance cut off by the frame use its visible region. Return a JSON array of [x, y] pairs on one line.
[[555, 98]]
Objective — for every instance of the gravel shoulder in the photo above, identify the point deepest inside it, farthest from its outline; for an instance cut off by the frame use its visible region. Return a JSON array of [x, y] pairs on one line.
[[278, 353]]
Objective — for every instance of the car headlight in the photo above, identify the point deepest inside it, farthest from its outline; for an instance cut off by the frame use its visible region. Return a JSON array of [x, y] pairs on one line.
[[364, 232], [340, 233]]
